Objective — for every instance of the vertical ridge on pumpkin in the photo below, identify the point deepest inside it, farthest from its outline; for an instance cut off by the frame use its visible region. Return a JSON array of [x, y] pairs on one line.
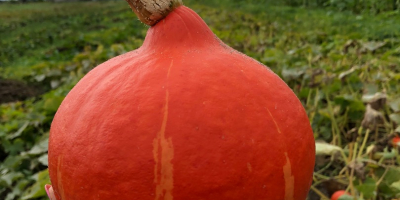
[[169, 69], [289, 179], [273, 119], [163, 154], [249, 167], [59, 178]]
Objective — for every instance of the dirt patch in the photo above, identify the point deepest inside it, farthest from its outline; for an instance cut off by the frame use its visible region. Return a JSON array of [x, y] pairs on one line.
[[13, 90]]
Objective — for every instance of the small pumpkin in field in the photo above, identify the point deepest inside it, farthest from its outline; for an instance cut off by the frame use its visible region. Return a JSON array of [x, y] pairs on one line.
[[182, 117], [340, 194], [396, 141]]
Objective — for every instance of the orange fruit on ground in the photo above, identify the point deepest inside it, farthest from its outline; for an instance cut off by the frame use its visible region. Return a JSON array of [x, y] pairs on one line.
[[182, 117]]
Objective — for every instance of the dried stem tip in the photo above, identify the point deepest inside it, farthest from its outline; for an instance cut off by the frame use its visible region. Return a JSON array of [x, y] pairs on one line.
[[152, 11]]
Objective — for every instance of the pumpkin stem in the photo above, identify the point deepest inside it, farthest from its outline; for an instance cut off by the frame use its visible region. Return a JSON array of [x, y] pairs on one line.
[[152, 11]]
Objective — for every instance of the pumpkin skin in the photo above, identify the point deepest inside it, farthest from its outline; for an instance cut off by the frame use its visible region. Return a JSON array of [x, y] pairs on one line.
[[182, 117]]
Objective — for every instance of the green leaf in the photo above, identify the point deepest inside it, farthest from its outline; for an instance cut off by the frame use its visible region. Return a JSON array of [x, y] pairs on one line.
[[372, 97], [372, 46], [368, 188], [346, 197], [389, 185], [12, 162], [44, 160], [292, 74], [392, 175], [52, 104], [395, 105], [21, 186], [370, 89], [326, 149], [37, 190], [39, 148], [9, 178], [346, 73], [395, 118], [386, 154], [350, 102], [15, 146], [19, 132], [40, 77], [54, 83], [396, 186]]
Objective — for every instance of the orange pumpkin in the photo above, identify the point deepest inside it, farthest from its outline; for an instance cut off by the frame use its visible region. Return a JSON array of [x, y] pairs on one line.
[[338, 194], [396, 141], [182, 117]]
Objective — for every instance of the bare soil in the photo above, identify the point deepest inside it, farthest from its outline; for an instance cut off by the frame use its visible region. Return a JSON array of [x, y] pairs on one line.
[[14, 90]]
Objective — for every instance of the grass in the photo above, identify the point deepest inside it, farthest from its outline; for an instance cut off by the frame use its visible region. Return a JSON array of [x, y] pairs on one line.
[[337, 63], [57, 31], [46, 31]]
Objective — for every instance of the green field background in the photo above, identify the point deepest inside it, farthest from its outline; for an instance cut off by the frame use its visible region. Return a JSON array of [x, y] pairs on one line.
[[341, 58]]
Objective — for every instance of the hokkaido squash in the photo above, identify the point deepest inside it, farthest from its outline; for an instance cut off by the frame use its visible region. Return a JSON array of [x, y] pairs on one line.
[[183, 117]]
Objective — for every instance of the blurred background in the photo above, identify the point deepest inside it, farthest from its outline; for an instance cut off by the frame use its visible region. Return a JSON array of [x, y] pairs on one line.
[[340, 57]]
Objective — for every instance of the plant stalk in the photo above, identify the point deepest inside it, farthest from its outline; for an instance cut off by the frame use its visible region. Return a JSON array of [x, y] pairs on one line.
[[152, 11]]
